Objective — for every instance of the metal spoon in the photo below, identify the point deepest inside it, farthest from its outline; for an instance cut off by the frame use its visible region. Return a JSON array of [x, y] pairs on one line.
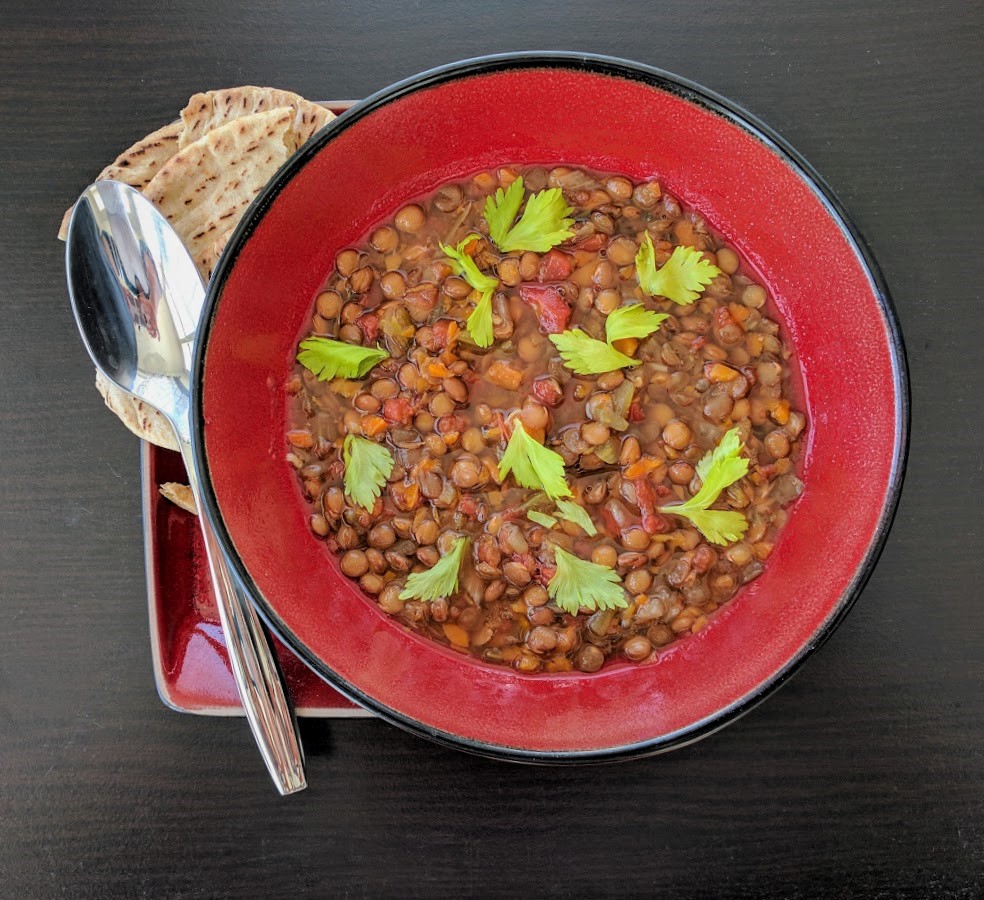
[[137, 298]]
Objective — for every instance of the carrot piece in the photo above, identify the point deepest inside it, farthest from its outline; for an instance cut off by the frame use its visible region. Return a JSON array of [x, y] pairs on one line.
[[505, 376], [300, 438], [717, 372], [559, 664], [684, 233], [642, 467], [438, 370], [628, 346], [779, 410], [456, 634], [754, 341], [406, 497], [373, 425]]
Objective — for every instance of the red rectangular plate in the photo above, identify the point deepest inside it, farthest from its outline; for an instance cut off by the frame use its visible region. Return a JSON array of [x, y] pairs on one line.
[[191, 666]]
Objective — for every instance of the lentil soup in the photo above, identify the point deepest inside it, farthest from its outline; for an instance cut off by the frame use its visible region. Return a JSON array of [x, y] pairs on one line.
[[546, 418]]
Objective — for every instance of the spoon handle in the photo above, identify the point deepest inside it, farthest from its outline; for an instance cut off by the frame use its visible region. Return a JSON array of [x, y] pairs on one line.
[[254, 666]]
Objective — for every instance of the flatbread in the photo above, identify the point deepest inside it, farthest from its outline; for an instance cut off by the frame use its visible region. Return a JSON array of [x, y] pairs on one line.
[[144, 421], [137, 165], [202, 171], [141, 162], [208, 259], [179, 495], [204, 189], [208, 111], [205, 112]]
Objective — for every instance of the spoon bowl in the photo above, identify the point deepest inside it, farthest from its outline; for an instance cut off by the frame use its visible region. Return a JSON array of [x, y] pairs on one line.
[[137, 297]]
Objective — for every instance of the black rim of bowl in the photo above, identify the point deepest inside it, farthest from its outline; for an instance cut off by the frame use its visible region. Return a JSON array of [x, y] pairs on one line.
[[687, 90]]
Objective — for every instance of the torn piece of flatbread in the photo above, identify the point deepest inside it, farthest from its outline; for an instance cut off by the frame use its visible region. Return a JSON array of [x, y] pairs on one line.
[[141, 162], [137, 165], [204, 112], [208, 259], [204, 189], [179, 495], [207, 111], [143, 420]]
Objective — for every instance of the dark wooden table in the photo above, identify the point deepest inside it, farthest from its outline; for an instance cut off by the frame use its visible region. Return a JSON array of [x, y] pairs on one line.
[[863, 777]]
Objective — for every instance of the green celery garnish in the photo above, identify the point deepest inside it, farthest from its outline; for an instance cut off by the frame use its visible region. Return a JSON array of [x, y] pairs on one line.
[[574, 512], [367, 466], [587, 356], [681, 279], [465, 266], [543, 225], [633, 321], [578, 583], [479, 322], [533, 465], [541, 518], [441, 580], [329, 358], [719, 469], [501, 210]]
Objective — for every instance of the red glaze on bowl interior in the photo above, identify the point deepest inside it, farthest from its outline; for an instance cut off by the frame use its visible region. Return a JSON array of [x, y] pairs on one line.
[[608, 116]]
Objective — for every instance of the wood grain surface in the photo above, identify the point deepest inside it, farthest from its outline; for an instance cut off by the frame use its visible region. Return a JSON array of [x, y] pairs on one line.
[[862, 777]]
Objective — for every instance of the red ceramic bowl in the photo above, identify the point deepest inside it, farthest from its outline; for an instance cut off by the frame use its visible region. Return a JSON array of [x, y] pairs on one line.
[[608, 115]]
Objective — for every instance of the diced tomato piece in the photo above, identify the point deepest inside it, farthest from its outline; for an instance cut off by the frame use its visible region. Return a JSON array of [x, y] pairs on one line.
[[441, 333], [398, 411], [726, 328], [504, 426], [447, 424], [527, 560], [592, 243], [548, 391], [555, 266], [636, 413], [548, 303], [611, 526], [369, 323], [468, 506], [652, 521], [660, 523]]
